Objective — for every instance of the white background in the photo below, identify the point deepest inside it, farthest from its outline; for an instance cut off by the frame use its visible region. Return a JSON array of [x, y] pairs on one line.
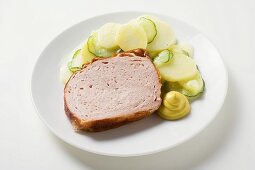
[[26, 27]]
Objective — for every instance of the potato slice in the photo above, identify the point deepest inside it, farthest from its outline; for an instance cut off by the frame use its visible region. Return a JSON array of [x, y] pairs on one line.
[[164, 39], [181, 68], [131, 36], [107, 35]]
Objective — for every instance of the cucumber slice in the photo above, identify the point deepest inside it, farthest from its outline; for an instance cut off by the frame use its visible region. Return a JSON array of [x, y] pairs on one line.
[[131, 36], [71, 68], [88, 56], [191, 88], [181, 68], [77, 61], [194, 86], [164, 39], [187, 49], [174, 86], [163, 58], [91, 44], [76, 53], [149, 27], [95, 49], [107, 35], [182, 48]]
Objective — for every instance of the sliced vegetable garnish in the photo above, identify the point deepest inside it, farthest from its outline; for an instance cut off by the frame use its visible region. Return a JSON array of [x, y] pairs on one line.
[[88, 56], [187, 49], [194, 86], [96, 50], [76, 53], [191, 88], [107, 35], [73, 69], [185, 53], [182, 48], [76, 62], [164, 39], [149, 27], [91, 44], [181, 68], [131, 36], [163, 57]]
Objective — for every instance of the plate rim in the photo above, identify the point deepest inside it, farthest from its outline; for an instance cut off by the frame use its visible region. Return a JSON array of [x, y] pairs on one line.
[[183, 140]]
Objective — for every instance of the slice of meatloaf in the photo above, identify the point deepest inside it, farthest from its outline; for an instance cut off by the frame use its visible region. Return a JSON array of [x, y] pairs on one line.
[[111, 92]]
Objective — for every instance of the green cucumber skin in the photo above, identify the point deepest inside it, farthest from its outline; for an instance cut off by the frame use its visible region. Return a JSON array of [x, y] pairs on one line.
[[160, 55], [166, 88], [76, 53], [89, 43], [154, 25], [196, 95], [75, 69], [69, 64], [99, 51], [72, 69], [185, 53]]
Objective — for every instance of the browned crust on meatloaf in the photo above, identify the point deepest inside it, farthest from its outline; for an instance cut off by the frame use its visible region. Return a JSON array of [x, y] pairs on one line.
[[103, 124], [113, 122], [138, 52]]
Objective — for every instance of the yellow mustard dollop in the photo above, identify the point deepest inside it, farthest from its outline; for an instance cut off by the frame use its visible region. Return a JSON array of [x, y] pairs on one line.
[[174, 106]]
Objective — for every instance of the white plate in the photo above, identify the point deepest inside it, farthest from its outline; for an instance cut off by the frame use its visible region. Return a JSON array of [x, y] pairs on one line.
[[147, 136]]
